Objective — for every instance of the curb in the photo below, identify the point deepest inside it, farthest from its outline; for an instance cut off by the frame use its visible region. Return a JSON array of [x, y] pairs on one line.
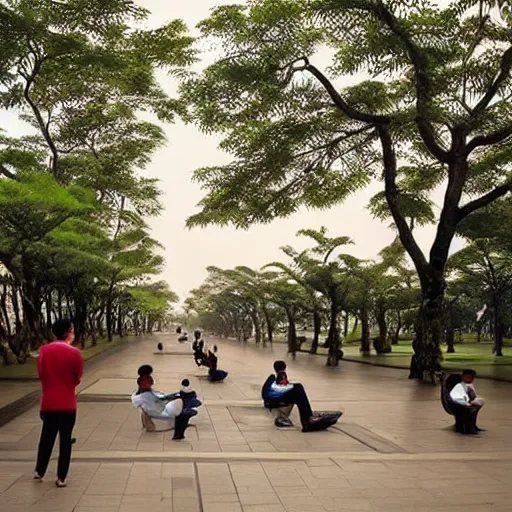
[[14, 409]]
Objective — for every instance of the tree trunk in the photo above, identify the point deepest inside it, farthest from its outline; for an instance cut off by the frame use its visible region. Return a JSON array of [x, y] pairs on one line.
[[479, 326], [270, 328], [356, 323], [345, 324], [79, 321], [92, 329], [333, 338], [3, 305], [257, 329], [31, 335], [49, 309], [450, 339], [109, 314], [59, 303], [317, 328], [396, 335], [292, 334], [71, 315], [120, 330], [16, 309], [381, 345], [429, 332], [365, 332], [498, 331]]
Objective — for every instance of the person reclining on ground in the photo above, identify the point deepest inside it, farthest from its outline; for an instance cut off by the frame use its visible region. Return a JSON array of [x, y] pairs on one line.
[[465, 395], [275, 394], [175, 408]]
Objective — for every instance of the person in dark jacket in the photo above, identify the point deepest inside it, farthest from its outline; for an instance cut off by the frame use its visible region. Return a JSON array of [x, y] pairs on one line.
[[200, 357], [276, 394]]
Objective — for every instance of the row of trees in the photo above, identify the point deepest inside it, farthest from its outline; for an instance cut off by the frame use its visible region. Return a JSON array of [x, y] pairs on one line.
[[317, 288], [75, 78], [323, 289]]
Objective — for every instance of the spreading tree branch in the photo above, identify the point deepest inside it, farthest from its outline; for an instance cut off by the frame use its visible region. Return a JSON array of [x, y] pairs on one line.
[[338, 100], [420, 65], [505, 67], [392, 197], [486, 199], [490, 139], [8, 174]]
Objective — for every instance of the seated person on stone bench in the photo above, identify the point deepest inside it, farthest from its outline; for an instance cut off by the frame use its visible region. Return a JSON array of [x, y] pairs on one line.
[[284, 394], [174, 408], [464, 394]]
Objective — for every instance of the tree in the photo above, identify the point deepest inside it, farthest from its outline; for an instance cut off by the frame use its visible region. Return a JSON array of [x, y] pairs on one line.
[[487, 260], [299, 271], [433, 109], [32, 208]]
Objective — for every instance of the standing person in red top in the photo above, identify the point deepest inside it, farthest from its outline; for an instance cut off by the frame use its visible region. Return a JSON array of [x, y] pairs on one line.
[[60, 367]]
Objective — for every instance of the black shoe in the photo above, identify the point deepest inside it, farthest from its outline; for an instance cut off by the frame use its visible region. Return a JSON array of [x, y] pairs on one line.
[[338, 414], [480, 429], [73, 440], [283, 423]]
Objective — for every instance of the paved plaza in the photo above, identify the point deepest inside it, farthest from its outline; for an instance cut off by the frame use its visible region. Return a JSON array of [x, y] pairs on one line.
[[392, 450]]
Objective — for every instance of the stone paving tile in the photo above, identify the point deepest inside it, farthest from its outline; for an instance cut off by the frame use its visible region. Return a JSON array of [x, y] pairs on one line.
[[319, 485]]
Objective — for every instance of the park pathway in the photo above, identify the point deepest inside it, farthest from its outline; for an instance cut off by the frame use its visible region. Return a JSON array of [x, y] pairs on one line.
[[392, 450]]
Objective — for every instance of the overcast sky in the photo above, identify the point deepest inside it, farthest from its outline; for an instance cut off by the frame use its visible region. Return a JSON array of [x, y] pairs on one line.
[[189, 252]]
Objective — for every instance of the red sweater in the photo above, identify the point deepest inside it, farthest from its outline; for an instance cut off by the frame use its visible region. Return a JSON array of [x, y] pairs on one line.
[[60, 367]]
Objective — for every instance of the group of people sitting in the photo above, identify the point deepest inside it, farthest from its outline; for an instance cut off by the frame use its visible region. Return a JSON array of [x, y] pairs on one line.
[[175, 409], [207, 358]]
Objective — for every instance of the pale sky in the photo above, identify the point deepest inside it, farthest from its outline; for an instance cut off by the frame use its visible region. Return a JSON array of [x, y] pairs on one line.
[[189, 252]]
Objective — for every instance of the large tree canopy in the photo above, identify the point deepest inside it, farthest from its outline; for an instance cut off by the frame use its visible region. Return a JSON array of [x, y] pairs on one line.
[[416, 95]]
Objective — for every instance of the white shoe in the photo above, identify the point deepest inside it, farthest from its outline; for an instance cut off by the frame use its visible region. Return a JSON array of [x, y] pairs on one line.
[[60, 483], [37, 476]]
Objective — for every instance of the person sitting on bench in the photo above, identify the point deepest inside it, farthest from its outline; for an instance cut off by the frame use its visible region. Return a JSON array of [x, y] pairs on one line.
[[214, 374], [278, 395], [175, 408], [198, 348], [464, 394]]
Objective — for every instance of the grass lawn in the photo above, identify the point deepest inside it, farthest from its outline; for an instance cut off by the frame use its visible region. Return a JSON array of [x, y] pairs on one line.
[[468, 354], [29, 369]]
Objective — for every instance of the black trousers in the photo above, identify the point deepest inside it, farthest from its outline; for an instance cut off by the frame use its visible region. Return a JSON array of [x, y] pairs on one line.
[[297, 396], [55, 422]]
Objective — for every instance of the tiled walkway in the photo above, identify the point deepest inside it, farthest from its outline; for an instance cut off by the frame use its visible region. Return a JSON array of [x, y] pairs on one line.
[[392, 450]]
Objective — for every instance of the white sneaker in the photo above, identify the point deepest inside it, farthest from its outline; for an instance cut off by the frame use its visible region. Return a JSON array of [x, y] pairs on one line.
[[37, 476], [60, 483]]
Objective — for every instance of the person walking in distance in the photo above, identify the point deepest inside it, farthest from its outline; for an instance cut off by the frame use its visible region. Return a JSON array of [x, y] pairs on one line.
[[60, 367]]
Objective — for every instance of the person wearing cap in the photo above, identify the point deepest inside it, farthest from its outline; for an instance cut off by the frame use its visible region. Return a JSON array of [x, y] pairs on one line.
[[60, 367], [175, 408]]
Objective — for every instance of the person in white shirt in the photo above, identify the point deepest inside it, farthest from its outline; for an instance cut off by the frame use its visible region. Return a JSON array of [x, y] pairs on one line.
[[465, 395]]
